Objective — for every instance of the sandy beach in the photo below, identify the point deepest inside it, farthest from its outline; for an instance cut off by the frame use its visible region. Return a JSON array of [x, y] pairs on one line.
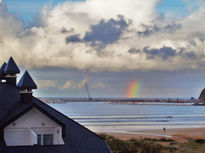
[[176, 134]]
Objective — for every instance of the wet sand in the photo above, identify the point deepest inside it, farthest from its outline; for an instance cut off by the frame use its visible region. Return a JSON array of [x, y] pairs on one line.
[[176, 134]]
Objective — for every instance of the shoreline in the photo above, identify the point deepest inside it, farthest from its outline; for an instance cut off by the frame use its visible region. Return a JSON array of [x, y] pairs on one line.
[[178, 134]]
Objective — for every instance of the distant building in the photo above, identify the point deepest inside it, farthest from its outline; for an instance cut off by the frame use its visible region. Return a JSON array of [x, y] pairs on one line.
[[202, 96], [27, 125]]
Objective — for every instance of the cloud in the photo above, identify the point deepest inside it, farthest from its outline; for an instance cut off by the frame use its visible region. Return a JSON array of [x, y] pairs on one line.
[[172, 27], [91, 35], [67, 85], [102, 33], [74, 85], [138, 11], [64, 30], [46, 83], [149, 30], [191, 55], [106, 32], [73, 39], [163, 53], [133, 51], [7, 26]]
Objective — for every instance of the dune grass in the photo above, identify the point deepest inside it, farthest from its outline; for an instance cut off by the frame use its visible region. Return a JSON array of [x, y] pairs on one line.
[[136, 146], [149, 145]]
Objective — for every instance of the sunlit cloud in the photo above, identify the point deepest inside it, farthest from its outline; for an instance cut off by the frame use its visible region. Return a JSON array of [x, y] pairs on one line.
[[67, 85], [73, 84], [91, 35], [46, 84]]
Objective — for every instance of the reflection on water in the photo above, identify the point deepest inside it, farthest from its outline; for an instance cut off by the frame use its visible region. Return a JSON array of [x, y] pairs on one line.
[[109, 117]]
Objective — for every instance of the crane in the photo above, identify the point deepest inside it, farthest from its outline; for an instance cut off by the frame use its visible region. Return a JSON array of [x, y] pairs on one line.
[[86, 86]]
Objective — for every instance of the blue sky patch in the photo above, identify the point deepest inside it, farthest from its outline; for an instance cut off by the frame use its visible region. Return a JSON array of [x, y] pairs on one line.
[[28, 9]]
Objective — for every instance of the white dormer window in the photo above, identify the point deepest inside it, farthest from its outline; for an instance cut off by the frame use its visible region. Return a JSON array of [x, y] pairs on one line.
[[45, 139], [33, 128]]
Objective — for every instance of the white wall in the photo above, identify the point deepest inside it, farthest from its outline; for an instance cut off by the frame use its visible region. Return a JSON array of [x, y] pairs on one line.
[[24, 130]]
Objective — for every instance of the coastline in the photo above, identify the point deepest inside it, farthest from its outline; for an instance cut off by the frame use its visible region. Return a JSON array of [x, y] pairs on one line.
[[171, 101]]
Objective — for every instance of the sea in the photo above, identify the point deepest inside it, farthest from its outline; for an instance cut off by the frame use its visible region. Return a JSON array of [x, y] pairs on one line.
[[129, 117]]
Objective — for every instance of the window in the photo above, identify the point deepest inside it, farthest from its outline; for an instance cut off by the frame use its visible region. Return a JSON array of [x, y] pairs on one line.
[[48, 139], [45, 139]]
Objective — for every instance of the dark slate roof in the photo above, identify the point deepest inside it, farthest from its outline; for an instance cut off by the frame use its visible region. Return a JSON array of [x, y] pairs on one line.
[[9, 97], [78, 139], [15, 112], [26, 82], [11, 67], [2, 70]]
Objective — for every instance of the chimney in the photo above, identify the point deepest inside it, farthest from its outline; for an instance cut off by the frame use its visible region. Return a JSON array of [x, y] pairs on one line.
[[26, 84], [10, 71]]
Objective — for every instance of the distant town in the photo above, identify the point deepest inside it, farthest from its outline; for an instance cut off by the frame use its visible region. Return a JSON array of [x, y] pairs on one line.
[[118, 100]]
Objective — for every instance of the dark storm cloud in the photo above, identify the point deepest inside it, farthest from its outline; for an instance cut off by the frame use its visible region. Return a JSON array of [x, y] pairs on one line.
[[133, 51], [167, 52], [145, 33], [64, 30], [149, 30], [172, 27], [106, 32], [190, 54], [73, 39], [163, 53]]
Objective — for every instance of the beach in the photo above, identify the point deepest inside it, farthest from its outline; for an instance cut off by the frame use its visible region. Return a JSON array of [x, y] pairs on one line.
[[177, 134]]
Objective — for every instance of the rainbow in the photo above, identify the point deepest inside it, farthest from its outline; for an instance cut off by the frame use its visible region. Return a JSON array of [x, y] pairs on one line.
[[133, 89]]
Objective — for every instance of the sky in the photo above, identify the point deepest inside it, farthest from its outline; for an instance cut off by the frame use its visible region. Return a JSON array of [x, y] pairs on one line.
[[149, 48]]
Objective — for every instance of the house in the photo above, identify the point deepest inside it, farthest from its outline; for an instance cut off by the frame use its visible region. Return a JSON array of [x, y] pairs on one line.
[[27, 125]]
